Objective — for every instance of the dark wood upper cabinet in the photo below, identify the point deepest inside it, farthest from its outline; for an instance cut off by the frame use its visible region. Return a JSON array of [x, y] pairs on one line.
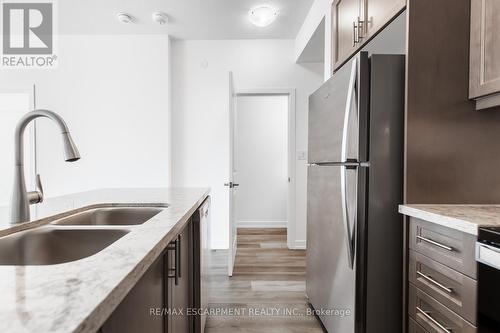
[[485, 51], [345, 29], [377, 13], [354, 22]]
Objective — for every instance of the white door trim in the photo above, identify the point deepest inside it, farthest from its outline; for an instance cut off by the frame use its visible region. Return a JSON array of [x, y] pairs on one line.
[[233, 236], [290, 92]]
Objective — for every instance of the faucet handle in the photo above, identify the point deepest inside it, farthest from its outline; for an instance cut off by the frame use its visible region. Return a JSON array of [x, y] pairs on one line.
[[39, 186], [36, 196]]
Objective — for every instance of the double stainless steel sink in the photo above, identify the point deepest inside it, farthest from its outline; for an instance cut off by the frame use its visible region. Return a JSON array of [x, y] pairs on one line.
[[49, 245], [111, 216], [74, 237]]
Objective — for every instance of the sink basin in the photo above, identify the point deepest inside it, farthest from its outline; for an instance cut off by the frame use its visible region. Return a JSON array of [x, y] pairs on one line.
[[49, 245], [111, 216]]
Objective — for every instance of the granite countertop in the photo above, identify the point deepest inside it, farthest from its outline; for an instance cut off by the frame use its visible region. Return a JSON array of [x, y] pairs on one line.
[[79, 296], [466, 218]]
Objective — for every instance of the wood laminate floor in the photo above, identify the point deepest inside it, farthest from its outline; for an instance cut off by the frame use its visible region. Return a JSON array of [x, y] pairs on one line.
[[266, 293]]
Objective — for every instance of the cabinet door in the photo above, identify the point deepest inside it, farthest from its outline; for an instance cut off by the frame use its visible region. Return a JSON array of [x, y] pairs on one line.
[[169, 281], [345, 29], [377, 13], [133, 314], [201, 259], [484, 48], [182, 292]]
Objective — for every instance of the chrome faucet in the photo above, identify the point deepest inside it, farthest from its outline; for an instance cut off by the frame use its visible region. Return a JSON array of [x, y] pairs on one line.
[[21, 199]]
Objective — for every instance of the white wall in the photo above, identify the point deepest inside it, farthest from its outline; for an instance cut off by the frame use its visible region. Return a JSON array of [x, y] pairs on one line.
[[113, 92], [200, 113], [320, 9], [14, 104], [261, 141]]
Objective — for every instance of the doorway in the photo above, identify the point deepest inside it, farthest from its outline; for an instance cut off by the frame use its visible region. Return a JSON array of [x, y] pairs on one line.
[[263, 165], [261, 160]]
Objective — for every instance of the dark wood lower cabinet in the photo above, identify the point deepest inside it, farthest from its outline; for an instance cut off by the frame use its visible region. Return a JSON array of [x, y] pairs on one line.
[[413, 327], [180, 283], [159, 302], [441, 287], [201, 265], [133, 314]]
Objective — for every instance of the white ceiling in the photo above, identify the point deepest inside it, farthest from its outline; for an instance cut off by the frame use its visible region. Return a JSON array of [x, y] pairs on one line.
[[189, 19]]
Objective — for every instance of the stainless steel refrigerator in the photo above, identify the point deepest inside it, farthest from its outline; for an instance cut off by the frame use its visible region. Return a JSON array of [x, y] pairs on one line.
[[355, 183]]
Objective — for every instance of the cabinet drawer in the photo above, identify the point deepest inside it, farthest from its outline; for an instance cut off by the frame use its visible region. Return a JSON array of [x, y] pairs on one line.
[[413, 327], [448, 246], [453, 289], [434, 316]]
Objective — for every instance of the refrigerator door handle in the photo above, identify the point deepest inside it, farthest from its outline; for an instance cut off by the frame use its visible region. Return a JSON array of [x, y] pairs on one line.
[[351, 93], [345, 217]]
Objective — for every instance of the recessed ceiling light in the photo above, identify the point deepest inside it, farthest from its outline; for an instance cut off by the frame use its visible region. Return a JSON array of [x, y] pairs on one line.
[[262, 16], [124, 18]]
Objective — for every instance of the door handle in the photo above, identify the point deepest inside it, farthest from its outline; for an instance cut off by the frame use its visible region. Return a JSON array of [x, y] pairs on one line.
[[231, 185], [178, 256], [434, 282], [354, 29], [173, 246], [349, 239], [361, 25], [347, 111], [488, 255], [430, 241], [428, 316]]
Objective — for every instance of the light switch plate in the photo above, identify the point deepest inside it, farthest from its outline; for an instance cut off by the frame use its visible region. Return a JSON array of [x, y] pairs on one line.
[[302, 155]]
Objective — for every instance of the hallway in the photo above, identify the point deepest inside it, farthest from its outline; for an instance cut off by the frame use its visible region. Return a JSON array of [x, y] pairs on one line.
[[266, 294]]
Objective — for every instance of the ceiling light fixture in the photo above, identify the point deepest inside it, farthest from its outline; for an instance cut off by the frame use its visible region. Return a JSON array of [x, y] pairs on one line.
[[124, 18], [160, 18], [262, 16]]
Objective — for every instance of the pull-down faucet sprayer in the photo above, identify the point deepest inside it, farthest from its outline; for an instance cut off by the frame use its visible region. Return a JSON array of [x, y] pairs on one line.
[[21, 199]]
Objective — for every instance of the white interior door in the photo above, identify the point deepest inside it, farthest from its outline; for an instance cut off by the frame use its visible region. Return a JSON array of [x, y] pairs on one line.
[[232, 183]]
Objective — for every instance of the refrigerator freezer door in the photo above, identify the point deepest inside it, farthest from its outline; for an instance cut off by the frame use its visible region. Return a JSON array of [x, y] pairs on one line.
[[327, 108], [330, 281]]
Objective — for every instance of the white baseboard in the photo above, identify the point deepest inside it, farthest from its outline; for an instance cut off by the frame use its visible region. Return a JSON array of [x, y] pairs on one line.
[[297, 245], [261, 224]]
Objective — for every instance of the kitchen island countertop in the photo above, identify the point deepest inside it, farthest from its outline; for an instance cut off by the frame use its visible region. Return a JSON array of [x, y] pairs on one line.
[[79, 296]]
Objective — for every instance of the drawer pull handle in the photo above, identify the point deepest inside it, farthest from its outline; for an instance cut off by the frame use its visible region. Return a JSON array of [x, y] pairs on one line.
[[434, 321], [174, 247], [434, 282], [430, 241]]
